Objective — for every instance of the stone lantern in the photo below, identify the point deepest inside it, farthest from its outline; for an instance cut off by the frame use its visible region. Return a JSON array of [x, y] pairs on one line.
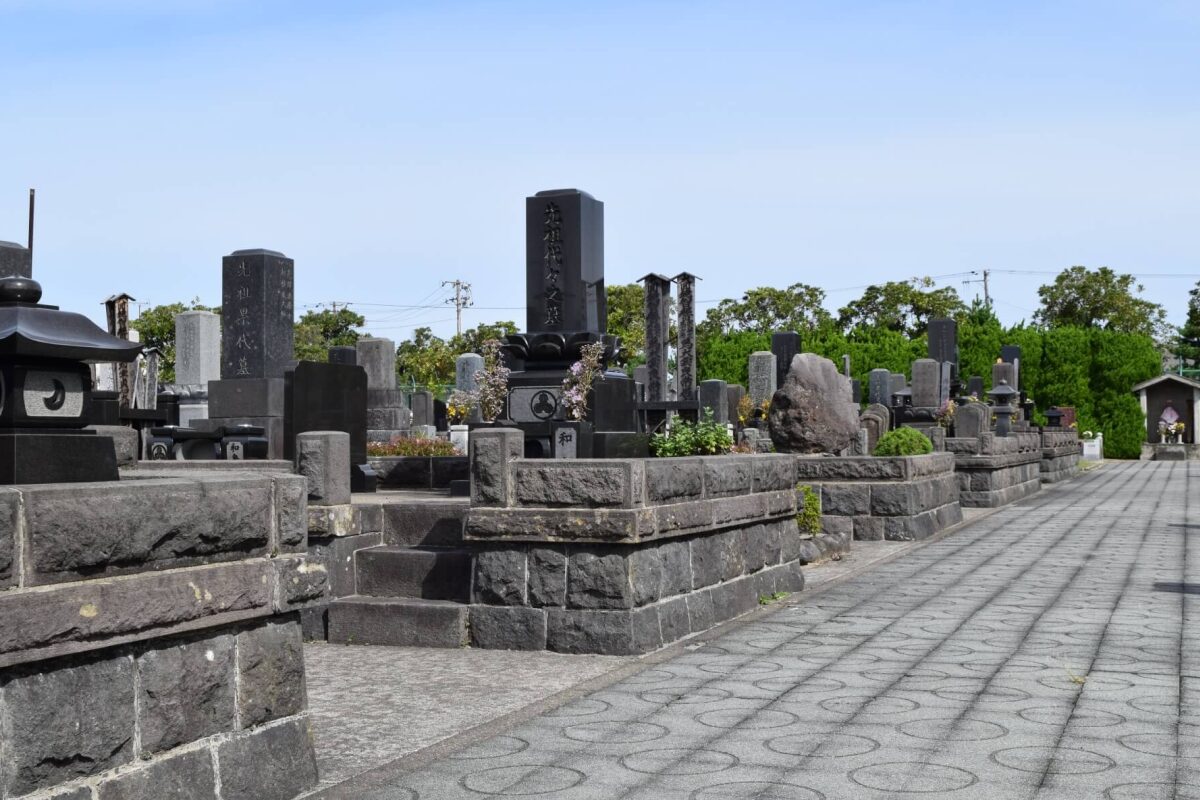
[[1054, 417], [1002, 395], [44, 386]]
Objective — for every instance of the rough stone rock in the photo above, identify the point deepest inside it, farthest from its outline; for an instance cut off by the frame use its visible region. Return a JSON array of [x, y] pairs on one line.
[[500, 577], [588, 631], [323, 458], [547, 577], [276, 763], [186, 693], [598, 579], [271, 670], [64, 723], [184, 777], [508, 628], [813, 411]]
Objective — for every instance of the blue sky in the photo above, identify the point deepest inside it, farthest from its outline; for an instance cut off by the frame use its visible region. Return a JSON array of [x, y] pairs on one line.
[[388, 146]]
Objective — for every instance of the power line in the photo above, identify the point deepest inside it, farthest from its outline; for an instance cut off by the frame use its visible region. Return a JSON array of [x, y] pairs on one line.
[[462, 299]]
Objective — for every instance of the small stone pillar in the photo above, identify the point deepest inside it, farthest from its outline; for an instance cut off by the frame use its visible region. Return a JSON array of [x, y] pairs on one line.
[[658, 320], [466, 367], [685, 355], [879, 387], [491, 450], [323, 458], [927, 378], [197, 361]]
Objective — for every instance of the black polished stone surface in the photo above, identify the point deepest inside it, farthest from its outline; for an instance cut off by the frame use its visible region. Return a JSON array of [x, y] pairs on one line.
[[785, 346], [257, 330], [53, 457], [564, 262], [15, 260], [327, 397]]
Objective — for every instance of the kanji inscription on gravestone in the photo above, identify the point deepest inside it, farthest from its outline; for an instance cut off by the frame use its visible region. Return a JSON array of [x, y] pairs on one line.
[[564, 262], [257, 302]]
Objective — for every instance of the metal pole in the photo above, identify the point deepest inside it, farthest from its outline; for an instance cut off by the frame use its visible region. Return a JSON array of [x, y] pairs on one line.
[[30, 241]]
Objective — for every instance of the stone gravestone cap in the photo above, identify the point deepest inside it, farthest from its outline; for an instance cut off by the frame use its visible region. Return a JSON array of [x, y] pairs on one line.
[[879, 387], [972, 419], [258, 340], [15, 260], [378, 358], [564, 262], [926, 383], [763, 377], [197, 348]]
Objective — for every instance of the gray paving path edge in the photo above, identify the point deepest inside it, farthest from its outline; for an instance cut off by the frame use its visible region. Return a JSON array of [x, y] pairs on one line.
[[385, 774]]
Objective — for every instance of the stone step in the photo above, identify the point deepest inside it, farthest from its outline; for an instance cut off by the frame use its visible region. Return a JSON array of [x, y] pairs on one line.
[[432, 523], [397, 621], [433, 573]]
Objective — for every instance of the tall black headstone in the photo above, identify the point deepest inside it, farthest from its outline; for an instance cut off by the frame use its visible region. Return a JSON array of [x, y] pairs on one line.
[[943, 342], [15, 260], [1011, 354], [329, 397], [564, 262], [258, 333], [785, 346]]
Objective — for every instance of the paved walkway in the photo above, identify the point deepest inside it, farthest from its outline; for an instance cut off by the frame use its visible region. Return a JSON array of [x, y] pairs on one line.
[[1040, 652]]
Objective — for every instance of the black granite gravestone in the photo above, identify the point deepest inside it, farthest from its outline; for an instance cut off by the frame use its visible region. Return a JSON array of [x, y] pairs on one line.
[[785, 346], [329, 397], [258, 333], [564, 262], [343, 354], [975, 386], [943, 342]]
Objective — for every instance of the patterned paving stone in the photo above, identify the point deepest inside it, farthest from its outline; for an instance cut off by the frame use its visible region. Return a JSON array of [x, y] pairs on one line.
[[1048, 651]]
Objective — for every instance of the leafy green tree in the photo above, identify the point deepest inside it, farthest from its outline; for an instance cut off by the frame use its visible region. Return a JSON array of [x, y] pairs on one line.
[[727, 357], [902, 306], [156, 328], [1099, 299], [323, 328], [1120, 360], [1189, 334], [627, 319], [768, 310], [1066, 375], [472, 339], [429, 360], [980, 336]]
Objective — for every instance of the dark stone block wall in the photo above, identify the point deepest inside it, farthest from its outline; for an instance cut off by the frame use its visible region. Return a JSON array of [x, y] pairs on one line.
[[1060, 455], [994, 470], [151, 638]]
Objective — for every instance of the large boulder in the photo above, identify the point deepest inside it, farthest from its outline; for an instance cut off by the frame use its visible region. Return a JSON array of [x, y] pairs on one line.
[[813, 411]]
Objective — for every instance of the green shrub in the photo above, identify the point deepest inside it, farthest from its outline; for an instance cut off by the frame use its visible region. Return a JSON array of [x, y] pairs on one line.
[[903, 442], [809, 517], [704, 438], [412, 446]]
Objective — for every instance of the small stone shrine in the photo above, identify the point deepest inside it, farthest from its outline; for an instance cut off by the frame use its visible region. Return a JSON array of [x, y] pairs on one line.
[[1169, 402], [257, 342], [566, 309], [44, 386]]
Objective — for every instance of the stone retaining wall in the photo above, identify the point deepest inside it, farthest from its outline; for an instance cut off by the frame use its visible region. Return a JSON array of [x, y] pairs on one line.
[[150, 640], [997, 470], [872, 498], [622, 556], [1060, 455]]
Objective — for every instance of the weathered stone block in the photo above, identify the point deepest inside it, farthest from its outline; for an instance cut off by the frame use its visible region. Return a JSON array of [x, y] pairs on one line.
[[727, 475], [492, 451], [746, 508], [865, 468], [323, 458], [779, 503], [832, 525], [774, 473], [188, 776], [676, 567], [846, 499], [580, 483], [186, 692], [337, 555], [808, 551], [598, 578], [159, 522], [370, 518], [9, 507], [547, 577], [66, 721], [733, 599], [708, 561], [674, 478], [343, 520], [85, 615], [893, 499], [271, 763], [789, 578], [646, 575], [291, 513], [868, 529], [701, 615], [508, 627], [298, 581], [645, 629], [271, 672], [674, 620], [570, 630], [685, 516], [754, 547], [554, 524], [500, 577], [733, 554]]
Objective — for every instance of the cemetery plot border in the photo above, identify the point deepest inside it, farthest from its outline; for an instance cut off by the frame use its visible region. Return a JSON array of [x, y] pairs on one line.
[[1060, 455], [997, 470]]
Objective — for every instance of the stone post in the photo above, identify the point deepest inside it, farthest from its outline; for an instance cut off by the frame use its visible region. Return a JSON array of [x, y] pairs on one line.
[[763, 377], [658, 319], [879, 387], [491, 450], [685, 356], [323, 458], [197, 348]]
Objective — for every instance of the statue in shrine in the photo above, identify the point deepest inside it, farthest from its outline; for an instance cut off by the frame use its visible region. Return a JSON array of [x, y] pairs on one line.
[[1170, 428]]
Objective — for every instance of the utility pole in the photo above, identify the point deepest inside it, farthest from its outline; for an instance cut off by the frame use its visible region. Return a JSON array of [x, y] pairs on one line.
[[461, 300], [987, 297]]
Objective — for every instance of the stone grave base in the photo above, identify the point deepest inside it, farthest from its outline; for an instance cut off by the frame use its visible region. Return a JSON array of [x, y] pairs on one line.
[[995, 471], [1170, 452], [872, 498], [1060, 456]]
